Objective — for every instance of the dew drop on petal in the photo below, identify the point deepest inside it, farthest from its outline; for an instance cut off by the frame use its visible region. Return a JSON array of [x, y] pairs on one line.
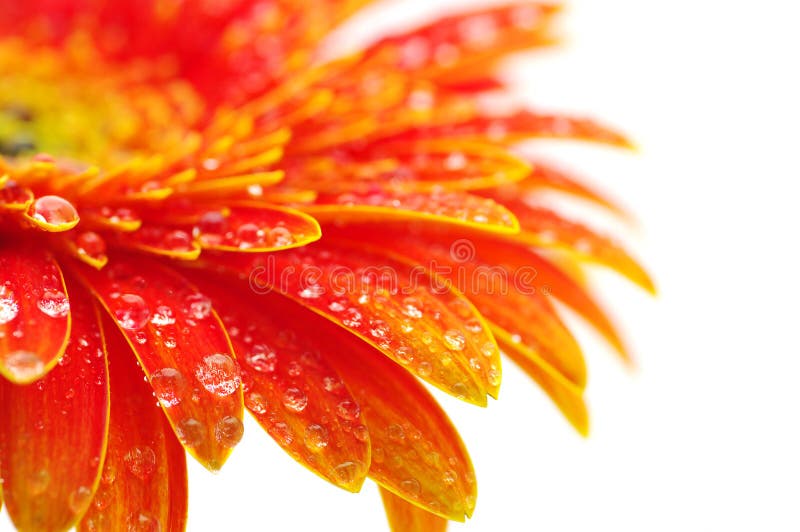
[[295, 399], [54, 210], [361, 433], [190, 432], [143, 522], [315, 438], [54, 303], [218, 374], [454, 340], [169, 385], [449, 477], [280, 237], [198, 306], [91, 244], [141, 462], [347, 472], [424, 369], [262, 358], [79, 499], [228, 431], [38, 481], [348, 410], [256, 403], [411, 486], [131, 312], [9, 308], [24, 365], [281, 432], [163, 316], [395, 432]]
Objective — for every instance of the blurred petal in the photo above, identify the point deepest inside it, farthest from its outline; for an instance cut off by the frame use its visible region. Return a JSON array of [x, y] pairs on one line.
[[288, 385], [406, 517], [34, 313], [45, 487], [143, 484], [182, 347]]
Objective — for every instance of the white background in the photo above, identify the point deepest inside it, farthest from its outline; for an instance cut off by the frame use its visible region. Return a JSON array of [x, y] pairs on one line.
[[704, 435]]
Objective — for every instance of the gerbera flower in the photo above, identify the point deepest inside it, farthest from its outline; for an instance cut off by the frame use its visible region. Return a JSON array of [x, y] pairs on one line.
[[194, 206]]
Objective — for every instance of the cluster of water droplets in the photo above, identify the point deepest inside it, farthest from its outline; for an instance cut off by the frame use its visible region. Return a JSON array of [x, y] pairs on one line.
[[215, 230]]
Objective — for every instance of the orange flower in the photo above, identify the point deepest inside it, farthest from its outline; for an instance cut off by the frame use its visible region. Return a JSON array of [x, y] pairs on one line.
[[189, 195]]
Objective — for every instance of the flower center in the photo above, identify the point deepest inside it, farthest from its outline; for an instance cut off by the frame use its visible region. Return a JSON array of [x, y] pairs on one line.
[[66, 102]]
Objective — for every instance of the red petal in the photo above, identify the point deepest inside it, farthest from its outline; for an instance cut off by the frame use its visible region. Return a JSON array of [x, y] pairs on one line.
[[34, 313], [289, 387], [143, 484], [406, 517], [411, 316], [54, 430], [182, 347]]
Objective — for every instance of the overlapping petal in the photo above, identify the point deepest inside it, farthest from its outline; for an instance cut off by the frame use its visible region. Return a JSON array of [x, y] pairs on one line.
[[35, 318], [143, 480], [182, 347], [45, 487]]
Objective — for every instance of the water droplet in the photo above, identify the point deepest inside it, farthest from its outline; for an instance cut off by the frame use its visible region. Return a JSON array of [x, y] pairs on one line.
[[198, 306], [351, 318], [249, 235], [379, 329], [54, 210], [455, 340], [54, 304], [280, 237], [395, 432], [348, 410], [411, 486], [141, 462], [218, 374], [79, 499], [169, 385], [361, 432], [91, 244], [295, 399], [143, 522], [256, 403], [449, 477], [131, 312], [312, 291], [347, 472], [9, 308], [229, 431], [494, 377], [315, 438], [38, 482], [163, 316], [191, 432], [262, 358], [424, 369], [102, 499], [24, 365], [177, 240], [282, 433], [412, 307], [294, 369]]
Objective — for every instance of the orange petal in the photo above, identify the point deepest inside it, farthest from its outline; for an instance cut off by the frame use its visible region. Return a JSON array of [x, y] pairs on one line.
[[143, 483], [34, 313], [406, 517], [182, 347], [567, 396], [416, 451], [54, 430], [254, 227], [455, 208], [288, 385], [413, 317], [545, 228]]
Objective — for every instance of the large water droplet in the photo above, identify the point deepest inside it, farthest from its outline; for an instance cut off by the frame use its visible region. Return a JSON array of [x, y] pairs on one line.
[[198, 306], [348, 410], [455, 340], [169, 385], [295, 399], [219, 374], [315, 438], [256, 403], [229, 431], [131, 312], [262, 358], [54, 304], [24, 365], [191, 432], [54, 210], [347, 472], [163, 316], [141, 462]]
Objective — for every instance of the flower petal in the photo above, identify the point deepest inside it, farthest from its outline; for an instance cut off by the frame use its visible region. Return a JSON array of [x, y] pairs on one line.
[[34, 313], [455, 208], [143, 484], [410, 315], [416, 451], [406, 517], [566, 395], [45, 487], [545, 228], [182, 348], [288, 385]]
